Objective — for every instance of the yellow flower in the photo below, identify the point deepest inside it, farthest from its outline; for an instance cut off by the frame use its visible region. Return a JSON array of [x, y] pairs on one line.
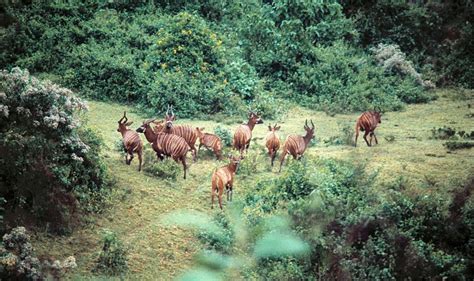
[[164, 65]]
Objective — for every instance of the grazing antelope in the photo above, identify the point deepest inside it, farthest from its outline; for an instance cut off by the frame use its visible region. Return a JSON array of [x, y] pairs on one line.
[[224, 177], [272, 142], [131, 141], [296, 145], [210, 141], [166, 144], [368, 122], [243, 134], [185, 131]]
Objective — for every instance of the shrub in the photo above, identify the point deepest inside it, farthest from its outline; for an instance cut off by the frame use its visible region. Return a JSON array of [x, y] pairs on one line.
[[166, 169], [453, 145], [17, 258], [392, 59], [442, 133], [224, 134], [445, 133], [222, 240], [251, 164], [113, 257], [63, 170], [434, 34], [333, 207]]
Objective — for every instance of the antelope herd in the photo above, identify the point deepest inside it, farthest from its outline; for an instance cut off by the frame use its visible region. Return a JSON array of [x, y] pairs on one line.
[[175, 141]]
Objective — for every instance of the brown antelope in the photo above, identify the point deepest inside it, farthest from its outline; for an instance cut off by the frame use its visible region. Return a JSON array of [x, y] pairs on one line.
[[185, 131], [243, 134], [272, 142], [148, 130], [210, 141], [296, 145], [131, 141], [166, 144], [368, 122], [224, 178]]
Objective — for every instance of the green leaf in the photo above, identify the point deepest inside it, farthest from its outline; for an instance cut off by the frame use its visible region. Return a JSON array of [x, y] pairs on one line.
[[280, 245]]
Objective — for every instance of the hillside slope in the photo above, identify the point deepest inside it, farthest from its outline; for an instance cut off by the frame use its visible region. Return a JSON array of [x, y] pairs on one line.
[[139, 201]]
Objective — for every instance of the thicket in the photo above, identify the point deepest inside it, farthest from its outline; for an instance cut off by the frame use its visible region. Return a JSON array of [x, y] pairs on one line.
[[437, 35], [113, 256], [142, 55], [205, 57], [353, 231], [50, 168]]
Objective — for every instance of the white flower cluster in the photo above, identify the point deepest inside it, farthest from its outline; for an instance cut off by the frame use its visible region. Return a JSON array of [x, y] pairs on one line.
[[23, 111], [75, 143], [4, 110], [391, 58], [21, 258], [77, 158], [54, 105], [57, 265]]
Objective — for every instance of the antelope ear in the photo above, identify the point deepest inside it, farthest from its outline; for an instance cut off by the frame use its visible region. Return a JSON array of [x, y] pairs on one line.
[[277, 128], [202, 129], [129, 123], [269, 127], [229, 156]]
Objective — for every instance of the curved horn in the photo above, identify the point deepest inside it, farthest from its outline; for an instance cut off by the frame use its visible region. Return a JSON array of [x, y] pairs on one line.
[[379, 109], [306, 123], [172, 113], [312, 124], [120, 120], [124, 117], [168, 111]]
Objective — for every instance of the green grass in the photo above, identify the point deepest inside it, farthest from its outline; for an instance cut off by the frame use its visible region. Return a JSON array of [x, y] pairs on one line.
[[139, 202]]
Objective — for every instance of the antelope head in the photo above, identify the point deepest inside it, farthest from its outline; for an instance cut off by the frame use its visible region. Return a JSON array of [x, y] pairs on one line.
[[274, 128], [378, 114], [145, 126], [199, 132], [309, 130], [170, 117], [254, 118]]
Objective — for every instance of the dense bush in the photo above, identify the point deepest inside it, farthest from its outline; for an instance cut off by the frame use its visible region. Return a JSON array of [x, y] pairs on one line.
[[60, 174], [170, 53], [17, 257], [224, 134], [436, 35], [355, 233], [166, 169], [113, 257], [309, 46], [19, 262]]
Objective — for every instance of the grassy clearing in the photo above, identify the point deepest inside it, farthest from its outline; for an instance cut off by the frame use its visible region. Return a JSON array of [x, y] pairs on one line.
[[412, 159]]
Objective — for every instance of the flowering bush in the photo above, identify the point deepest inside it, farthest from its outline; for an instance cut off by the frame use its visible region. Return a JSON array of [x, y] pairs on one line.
[[49, 163], [18, 260], [17, 257], [392, 59]]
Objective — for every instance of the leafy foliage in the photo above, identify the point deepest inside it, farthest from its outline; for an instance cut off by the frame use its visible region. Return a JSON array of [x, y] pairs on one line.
[[224, 134], [113, 257], [166, 169], [203, 58], [63, 170], [333, 207], [435, 34]]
